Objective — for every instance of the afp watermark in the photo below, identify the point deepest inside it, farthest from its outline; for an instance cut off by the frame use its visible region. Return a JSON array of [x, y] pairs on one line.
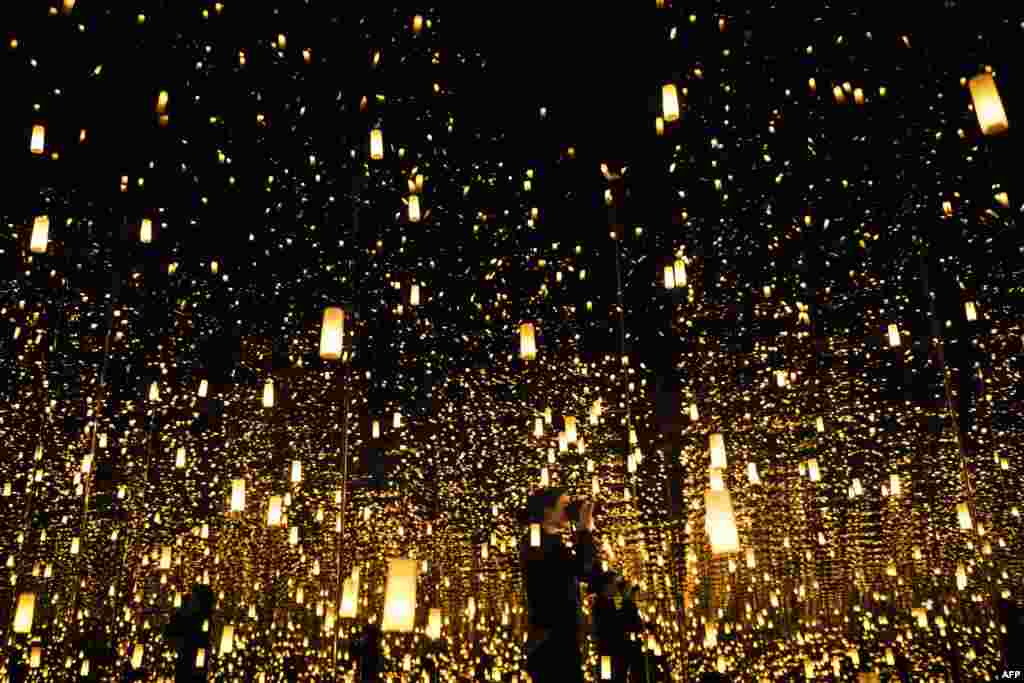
[[1009, 675]]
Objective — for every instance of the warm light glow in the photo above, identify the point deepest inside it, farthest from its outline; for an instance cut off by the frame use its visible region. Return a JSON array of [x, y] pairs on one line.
[[669, 103], [400, 596], [987, 105], [40, 235]]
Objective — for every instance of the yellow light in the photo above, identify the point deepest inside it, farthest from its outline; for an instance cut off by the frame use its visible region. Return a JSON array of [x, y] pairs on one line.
[[987, 105], [400, 596], [40, 235], [669, 103]]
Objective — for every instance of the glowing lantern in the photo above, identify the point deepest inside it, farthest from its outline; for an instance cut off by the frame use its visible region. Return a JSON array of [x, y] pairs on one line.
[[894, 335], [538, 427], [970, 311], [375, 429], [718, 459], [75, 544], [179, 460], [296, 471], [659, 126], [694, 414], [527, 342], [350, 596], [400, 596], [720, 522], [376, 144], [434, 623], [332, 333], [204, 388], [670, 279], [165, 557], [268, 394], [813, 473], [535, 535], [417, 23], [274, 511], [987, 105], [25, 613], [40, 234], [963, 514], [606, 668], [146, 231], [716, 483], [227, 639], [38, 143], [820, 424], [238, 495], [154, 392], [161, 102], [752, 476], [35, 657], [397, 420], [414, 208], [679, 272], [895, 486], [669, 103], [414, 295], [200, 658]]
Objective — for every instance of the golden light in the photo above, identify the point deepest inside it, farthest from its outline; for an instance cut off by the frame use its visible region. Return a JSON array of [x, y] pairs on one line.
[[25, 613], [268, 394], [527, 342], [400, 596], [146, 231], [238, 495], [669, 103], [376, 144], [37, 145], [987, 105], [40, 235]]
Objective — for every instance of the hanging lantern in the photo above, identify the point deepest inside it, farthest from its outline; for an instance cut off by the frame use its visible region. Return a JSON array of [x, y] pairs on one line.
[[293, 536], [894, 335], [434, 623], [200, 658], [659, 126], [25, 613], [154, 392], [718, 459], [670, 278], [813, 473], [227, 639], [400, 596], [570, 429], [75, 544], [35, 657], [752, 476], [535, 535], [238, 495], [669, 103], [563, 442], [37, 144], [720, 522], [895, 486], [606, 668], [538, 427], [963, 514], [414, 295], [40, 235], [179, 459], [296, 471], [715, 476], [146, 231], [414, 208], [274, 511], [268, 394], [820, 424], [375, 429], [544, 479], [332, 333], [679, 272], [376, 144], [856, 488], [987, 105], [527, 342], [165, 558], [204, 387], [970, 311], [161, 102], [396, 421], [350, 596]]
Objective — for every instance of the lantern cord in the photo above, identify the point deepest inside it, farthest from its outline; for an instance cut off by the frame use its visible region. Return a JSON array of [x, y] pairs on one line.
[[622, 330]]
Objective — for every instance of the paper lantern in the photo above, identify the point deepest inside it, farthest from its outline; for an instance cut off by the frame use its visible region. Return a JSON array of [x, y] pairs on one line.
[[268, 394], [752, 476], [238, 495], [434, 623], [35, 656], [659, 126], [819, 424], [296, 471], [751, 559], [570, 429], [400, 596], [414, 295], [40, 235], [720, 522], [179, 459], [670, 279], [332, 333], [894, 335], [679, 272], [417, 23], [146, 231], [161, 102], [669, 103], [963, 514], [606, 668], [527, 343], [200, 658], [414, 208], [535, 535], [563, 442], [813, 473], [895, 485], [165, 557], [970, 311], [694, 413], [154, 392], [274, 511], [350, 597], [75, 544], [24, 613], [538, 427], [376, 144], [227, 639], [38, 142], [718, 459], [987, 105], [396, 420], [204, 388], [376, 429], [961, 577]]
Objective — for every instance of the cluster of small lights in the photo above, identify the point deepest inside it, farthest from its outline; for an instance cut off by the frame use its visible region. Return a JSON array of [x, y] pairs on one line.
[[168, 265]]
